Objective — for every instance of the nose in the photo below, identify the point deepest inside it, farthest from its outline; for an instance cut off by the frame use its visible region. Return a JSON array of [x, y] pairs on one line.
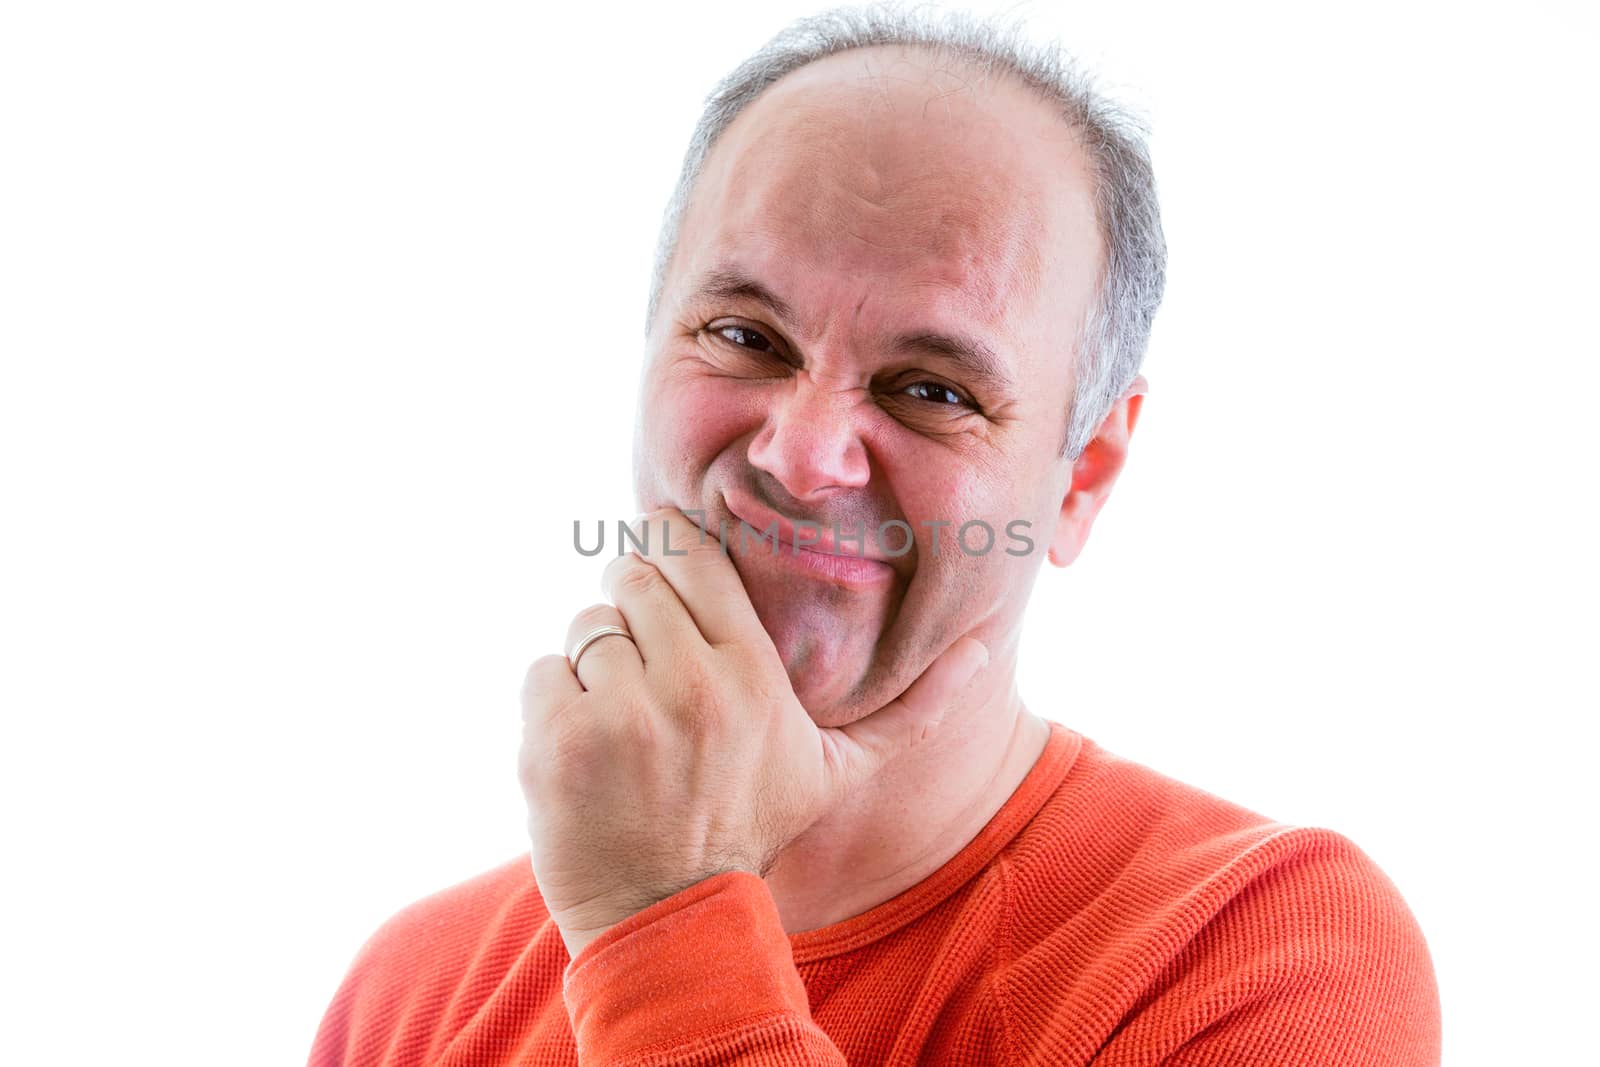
[[809, 442]]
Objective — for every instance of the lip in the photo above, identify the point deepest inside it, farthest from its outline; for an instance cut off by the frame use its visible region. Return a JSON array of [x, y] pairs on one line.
[[823, 557]]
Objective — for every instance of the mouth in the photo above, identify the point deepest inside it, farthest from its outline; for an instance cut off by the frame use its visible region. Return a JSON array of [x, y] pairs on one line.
[[806, 547]]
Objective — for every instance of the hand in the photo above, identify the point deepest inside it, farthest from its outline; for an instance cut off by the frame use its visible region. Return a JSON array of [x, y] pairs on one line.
[[684, 753]]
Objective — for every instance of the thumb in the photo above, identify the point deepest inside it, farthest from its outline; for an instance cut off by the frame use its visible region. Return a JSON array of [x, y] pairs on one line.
[[858, 751]]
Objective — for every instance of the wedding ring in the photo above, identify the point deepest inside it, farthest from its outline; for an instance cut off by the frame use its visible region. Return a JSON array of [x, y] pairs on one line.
[[590, 638]]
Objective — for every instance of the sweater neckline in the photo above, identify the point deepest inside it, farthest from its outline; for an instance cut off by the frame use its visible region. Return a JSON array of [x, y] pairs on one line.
[[1060, 750]]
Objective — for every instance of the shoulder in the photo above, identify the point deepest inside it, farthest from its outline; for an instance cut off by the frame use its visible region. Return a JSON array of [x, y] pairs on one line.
[[1118, 832], [448, 928], [409, 973], [1178, 913], [1113, 826]]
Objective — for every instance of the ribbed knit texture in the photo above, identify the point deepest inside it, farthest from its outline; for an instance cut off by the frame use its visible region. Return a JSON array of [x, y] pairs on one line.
[[1106, 915]]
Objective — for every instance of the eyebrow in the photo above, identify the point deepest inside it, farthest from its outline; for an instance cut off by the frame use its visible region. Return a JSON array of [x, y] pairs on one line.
[[970, 354], [731, 283]]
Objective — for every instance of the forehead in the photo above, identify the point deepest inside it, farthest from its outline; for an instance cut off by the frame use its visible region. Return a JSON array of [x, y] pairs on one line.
[[884, 175]]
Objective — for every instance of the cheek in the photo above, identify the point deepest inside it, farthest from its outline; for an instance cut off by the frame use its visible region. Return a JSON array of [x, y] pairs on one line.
[[688, 419], [932, 485], [956, 493]]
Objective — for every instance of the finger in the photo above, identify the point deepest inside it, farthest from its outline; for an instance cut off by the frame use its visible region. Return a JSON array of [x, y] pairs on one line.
[[605, 660], [858, 751], [547, 687], [701, 573], [655, 616]]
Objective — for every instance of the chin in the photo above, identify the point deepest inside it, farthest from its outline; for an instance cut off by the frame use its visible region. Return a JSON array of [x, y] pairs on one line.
[[828, 664], [825, 705], [822, 673]]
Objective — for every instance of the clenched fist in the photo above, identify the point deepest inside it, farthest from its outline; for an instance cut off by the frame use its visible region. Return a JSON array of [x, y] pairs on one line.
[[683, 752]]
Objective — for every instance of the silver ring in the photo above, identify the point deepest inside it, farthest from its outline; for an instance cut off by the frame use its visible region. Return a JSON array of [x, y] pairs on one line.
[[590, 638]]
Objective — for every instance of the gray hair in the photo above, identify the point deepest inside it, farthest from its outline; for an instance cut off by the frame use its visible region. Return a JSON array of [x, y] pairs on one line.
[[1115, 332]]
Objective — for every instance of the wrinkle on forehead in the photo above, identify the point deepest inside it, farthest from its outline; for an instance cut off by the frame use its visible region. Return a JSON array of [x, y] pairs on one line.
[[859, 181]]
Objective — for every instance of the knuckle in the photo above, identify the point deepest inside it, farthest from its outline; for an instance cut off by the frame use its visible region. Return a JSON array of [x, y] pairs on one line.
[[638, 578], [615, 568], [592, 616], [533, 681], [637, 727], [652, 706], [640, 733], [697, 697]]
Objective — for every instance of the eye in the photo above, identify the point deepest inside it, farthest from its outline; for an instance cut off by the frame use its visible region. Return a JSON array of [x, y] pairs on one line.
[[937, 393], [745, 337]]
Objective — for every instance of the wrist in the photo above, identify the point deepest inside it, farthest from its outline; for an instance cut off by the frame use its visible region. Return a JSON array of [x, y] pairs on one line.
[[577, 937], [578, 940]]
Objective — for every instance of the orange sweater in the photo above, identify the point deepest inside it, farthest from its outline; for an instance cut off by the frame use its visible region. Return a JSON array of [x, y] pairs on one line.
[[1106, 915]]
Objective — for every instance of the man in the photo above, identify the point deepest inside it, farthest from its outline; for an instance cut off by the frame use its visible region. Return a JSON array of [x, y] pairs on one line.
[[786, 805]]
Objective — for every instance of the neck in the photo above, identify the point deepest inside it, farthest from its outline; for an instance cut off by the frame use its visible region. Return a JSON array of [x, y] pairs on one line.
[[911, 819]]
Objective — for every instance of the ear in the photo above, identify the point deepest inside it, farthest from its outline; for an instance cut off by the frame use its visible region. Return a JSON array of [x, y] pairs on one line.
[[1093, 474]]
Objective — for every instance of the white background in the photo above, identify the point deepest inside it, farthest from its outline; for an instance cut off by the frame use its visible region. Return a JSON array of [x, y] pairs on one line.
[[321, 322]]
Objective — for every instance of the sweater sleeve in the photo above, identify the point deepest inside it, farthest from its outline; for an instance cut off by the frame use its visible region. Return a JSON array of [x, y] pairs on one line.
[[705, 976]]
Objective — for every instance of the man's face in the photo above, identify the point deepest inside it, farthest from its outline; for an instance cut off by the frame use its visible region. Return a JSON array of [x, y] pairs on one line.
[[875, 204]]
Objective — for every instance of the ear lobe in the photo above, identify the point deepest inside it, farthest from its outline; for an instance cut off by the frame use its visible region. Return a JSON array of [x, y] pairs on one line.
[[1078, 513], [1094, 472], [1058, 559]]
